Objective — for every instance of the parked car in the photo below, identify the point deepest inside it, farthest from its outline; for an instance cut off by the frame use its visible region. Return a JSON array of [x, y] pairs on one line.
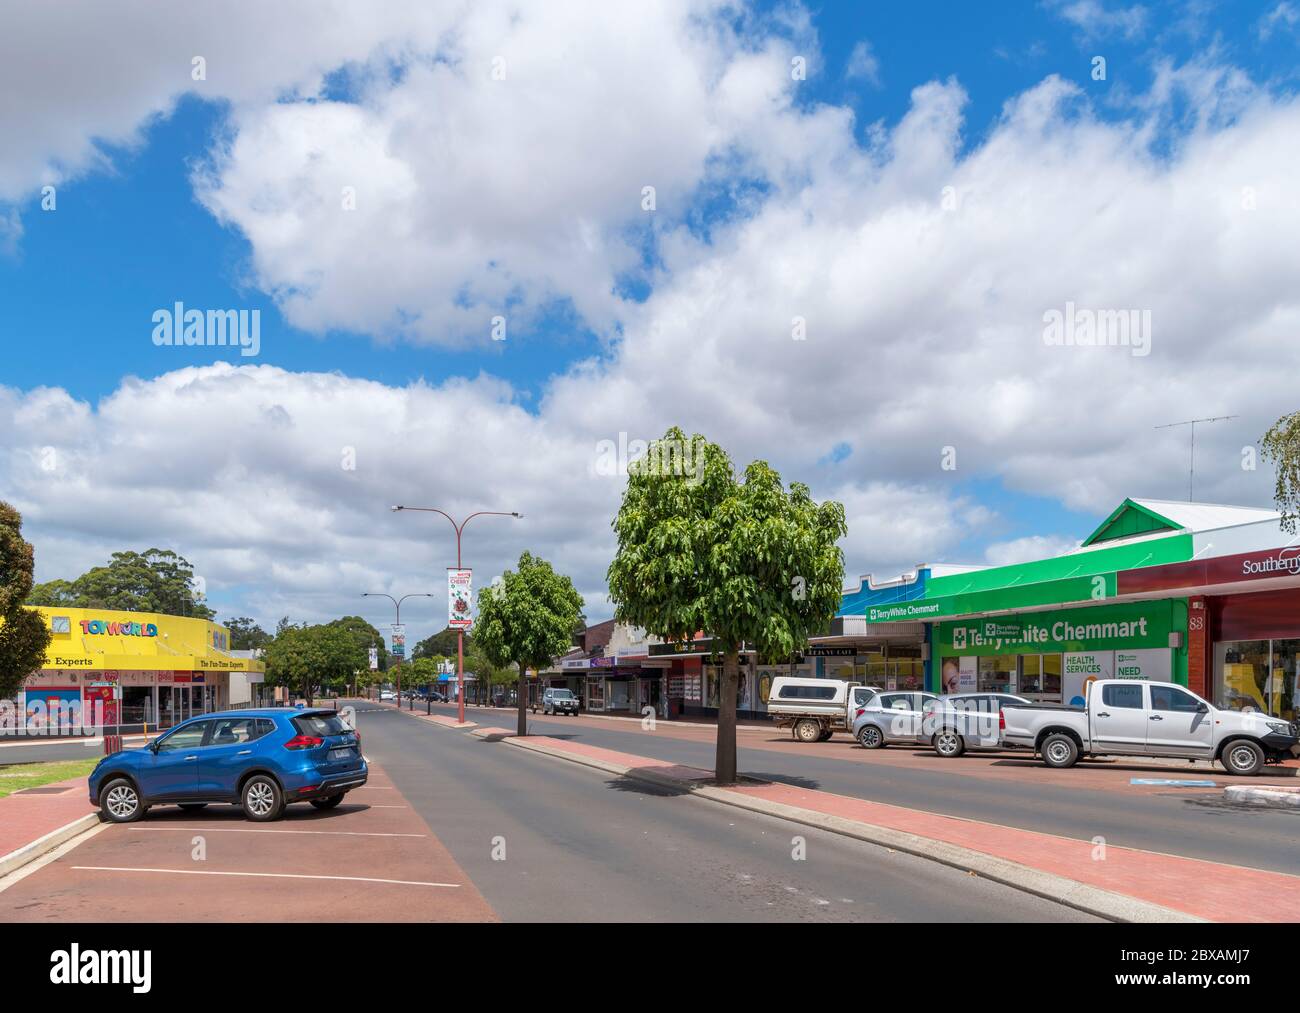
[[387, 694], [559, 701], [957, 722], [261, 760], [815, 709], [890, 717], [1128, 717]]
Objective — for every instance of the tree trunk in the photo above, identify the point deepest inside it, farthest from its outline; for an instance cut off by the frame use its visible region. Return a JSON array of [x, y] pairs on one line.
[[523, 701], [724, 765]]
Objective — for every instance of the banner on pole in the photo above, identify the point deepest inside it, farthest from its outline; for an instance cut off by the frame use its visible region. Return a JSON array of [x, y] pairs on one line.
[[374, 659], [459, 599], [399, 642]]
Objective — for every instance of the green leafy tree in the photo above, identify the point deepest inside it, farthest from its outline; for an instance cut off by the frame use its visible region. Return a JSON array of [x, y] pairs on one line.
[[246, 635], [527, 618], [1281, 445], [156, 580], [747, 561], [23, 633], [307, 658], [487, 673], [440, 645]]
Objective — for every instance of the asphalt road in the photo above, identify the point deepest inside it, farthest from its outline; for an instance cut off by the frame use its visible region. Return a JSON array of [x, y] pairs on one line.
[[1197, 825], [581, 845]]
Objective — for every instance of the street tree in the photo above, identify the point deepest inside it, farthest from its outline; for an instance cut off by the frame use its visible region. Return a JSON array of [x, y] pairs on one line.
[[23, 633], [746, 561], [156, 580], [306, 658], [246, 634], [527, 618], [1281, 445]]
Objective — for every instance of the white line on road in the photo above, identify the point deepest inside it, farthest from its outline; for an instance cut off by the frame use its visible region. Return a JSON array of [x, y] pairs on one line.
[[250, 830], [262, 875]]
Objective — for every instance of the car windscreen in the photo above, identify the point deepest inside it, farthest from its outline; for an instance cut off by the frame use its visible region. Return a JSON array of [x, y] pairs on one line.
[[320, 724], [562, 694]]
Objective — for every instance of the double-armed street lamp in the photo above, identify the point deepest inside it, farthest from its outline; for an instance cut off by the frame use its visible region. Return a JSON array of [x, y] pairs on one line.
[[460, 633], [397, 604]]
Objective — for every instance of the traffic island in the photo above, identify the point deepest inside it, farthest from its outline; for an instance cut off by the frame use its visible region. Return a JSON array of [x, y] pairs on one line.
[[1274, 797]]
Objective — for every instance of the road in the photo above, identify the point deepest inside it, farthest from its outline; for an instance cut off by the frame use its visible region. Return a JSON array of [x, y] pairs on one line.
[[581, 845], [1083, 803]]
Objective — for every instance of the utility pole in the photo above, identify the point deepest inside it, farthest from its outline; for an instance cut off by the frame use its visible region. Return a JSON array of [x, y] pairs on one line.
[[1191, 467]]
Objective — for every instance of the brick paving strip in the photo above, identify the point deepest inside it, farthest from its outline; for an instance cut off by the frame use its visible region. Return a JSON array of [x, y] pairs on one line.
[[33, 824], [1128, 884]]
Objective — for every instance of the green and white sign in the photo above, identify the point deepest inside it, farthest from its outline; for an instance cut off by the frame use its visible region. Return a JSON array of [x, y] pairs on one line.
[[1080, 630]]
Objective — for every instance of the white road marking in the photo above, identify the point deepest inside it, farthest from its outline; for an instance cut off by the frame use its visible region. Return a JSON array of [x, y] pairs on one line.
[[250, 830], [262, 875]]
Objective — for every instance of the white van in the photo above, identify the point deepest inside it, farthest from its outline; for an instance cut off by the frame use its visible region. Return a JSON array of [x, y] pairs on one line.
[[814, 709]]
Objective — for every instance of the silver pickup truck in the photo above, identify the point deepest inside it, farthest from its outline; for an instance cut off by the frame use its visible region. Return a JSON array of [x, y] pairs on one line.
[[1126, 717]]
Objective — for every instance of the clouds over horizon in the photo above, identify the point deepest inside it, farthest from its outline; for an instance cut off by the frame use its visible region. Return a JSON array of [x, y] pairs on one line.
[[917, 267]]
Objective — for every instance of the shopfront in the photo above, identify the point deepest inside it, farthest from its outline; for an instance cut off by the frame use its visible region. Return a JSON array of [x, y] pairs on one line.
[[133, 668], [1256, 641], [1050, 656]]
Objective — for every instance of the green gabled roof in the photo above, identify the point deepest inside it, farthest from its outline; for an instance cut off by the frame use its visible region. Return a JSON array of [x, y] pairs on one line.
[[1129, 519]]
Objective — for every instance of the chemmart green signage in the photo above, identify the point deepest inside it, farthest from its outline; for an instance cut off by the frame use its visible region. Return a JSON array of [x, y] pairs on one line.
[[1104, 628], [1089, 587]]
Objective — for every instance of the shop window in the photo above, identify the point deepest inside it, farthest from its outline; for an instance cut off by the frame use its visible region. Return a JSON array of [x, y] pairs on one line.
[[1031, 673], [1052, 675], [997, 673], [1243, 675]]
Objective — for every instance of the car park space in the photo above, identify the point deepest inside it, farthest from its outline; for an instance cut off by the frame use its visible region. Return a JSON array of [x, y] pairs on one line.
[[370, 859]]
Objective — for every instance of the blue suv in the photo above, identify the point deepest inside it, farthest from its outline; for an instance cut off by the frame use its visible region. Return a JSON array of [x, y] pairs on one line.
[[261, 760]]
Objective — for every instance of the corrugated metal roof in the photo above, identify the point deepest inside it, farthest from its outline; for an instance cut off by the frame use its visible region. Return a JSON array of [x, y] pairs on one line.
[[1205, 516]]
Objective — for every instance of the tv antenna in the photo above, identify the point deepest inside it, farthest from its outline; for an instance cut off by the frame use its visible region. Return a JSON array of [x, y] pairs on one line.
[[1191, 467]]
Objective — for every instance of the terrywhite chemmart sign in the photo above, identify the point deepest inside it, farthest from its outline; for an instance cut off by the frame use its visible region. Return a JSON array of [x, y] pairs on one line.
[[1097, 629], [903, 611]]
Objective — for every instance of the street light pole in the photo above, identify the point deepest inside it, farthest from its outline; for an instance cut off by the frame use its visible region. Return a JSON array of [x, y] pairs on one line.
[[460, 634], [397, 604]]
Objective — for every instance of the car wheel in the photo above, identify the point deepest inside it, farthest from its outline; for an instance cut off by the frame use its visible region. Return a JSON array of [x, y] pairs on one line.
[[119, 802], [262, 799], [870, 737], [193, 807], [1243, 757], [1059, 750], [948, 743], [328, 803], [808, 731], [826, 734]]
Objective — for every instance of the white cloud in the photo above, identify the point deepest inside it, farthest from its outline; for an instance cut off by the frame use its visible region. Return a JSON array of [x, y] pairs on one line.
[[1285, 17], [1020, 550], [864, 64], [1096, 21]]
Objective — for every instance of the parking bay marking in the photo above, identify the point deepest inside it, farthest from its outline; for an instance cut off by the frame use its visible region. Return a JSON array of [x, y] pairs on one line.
[[263, 875], [250, 830]]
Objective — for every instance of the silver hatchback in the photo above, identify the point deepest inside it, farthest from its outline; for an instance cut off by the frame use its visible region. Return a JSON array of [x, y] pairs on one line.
[[960, 721], [890, 717]]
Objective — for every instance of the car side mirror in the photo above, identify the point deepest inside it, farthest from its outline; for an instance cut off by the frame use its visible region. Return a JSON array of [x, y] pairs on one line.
[[1202, 708]]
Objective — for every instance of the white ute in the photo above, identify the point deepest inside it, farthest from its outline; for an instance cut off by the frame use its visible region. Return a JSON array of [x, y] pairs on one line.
[[815, 709], [1127, 717]]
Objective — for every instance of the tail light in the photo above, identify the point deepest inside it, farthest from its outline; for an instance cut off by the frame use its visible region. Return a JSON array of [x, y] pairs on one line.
[[861, 711], [304, 742], [1002, 722]]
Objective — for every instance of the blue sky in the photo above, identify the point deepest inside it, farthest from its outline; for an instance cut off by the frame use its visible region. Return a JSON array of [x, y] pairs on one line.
[[130, 235]]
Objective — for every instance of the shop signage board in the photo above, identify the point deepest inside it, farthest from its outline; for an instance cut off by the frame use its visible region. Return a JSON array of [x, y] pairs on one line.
[[459, 598], [1078, 668], [1110, 627]]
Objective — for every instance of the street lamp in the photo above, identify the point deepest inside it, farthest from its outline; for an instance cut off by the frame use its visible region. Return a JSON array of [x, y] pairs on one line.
[[460, 634], [397, 604]]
